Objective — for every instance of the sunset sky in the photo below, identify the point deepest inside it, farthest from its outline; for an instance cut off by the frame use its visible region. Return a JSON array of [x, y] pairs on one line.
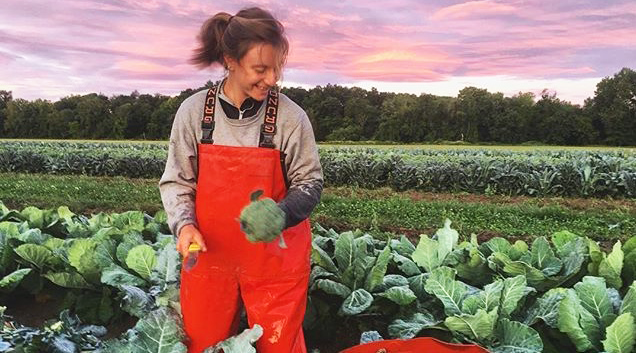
[[52, 49]]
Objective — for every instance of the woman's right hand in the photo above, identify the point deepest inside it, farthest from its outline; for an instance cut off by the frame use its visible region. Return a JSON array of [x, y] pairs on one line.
[[187, 235]]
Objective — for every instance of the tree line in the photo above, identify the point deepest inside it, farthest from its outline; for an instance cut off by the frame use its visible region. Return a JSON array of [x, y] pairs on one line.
[[340, 113]]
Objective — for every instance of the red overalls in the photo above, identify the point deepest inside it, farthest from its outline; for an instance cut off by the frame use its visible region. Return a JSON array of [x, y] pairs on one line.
[[271, 282]]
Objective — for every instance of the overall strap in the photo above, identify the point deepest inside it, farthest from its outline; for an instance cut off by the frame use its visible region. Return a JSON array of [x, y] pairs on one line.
[[207, 123], [268, 128]]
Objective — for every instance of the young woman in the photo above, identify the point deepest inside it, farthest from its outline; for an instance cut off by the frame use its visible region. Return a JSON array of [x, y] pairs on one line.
[[226, 143]]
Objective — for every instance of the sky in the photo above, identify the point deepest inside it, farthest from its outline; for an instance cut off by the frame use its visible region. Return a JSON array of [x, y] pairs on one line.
[[52, 49]]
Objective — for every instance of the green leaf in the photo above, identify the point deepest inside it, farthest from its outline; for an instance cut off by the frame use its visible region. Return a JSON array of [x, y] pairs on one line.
[[514, 290], [129, 221], [241, 343], [34, 216], [82, 256], [488, 299], [318, 272], [10, 229], [592, 293], [169, 297], [517, 250], [514, 268], [38, 255], [129, 241], [596, 256], [376, 275], [574, 254], [406, 265], [68, 280], [559, 239], [611, 267], [629, 266], [442, 284], [417, 284], [116, 276], [630, 245], [6, 252], [516, 337], [358, 301], [426, 253], [479, 326], [161, 217], [32, 236], [546, 308], [345, 251], [322, 259], [159, 332], [105, 253], [570, 311], [494, 245], [9, 282], [629, 301], [410, 327], [475, 269], [404, 247], [402, 295], [542, 257], [166, 269], [54, 243], [142, 259], [65, 213], [362, 265], [621, 335], [332, 287], [136, 301], [447, 239], [394, 281]]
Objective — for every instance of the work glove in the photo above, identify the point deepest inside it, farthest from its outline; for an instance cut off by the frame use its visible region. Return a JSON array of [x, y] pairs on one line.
[[262, 220]]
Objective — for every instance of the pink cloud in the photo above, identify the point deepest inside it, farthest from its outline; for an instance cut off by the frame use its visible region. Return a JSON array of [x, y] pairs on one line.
[[145, 44], [473, 9]]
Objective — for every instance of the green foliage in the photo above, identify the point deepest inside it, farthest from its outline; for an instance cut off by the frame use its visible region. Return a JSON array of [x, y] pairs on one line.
[[355, 114], [535, 173], [525, 295], [142, 281]]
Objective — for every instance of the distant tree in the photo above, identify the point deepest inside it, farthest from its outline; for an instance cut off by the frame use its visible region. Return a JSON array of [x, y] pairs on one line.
[[509, 125], [28, 119], [296, 94], [475, 110], [436, 112], [5, 98], [95, 118], [400, 119], [613, 108], [161, 120], [561, 123]]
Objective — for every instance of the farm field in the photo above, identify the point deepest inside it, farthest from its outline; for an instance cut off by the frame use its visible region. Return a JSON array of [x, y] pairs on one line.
[[354, 144], [345, 208], [526, 250]]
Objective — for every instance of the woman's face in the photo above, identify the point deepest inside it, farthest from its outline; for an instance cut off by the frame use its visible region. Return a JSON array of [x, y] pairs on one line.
[[255, 73]]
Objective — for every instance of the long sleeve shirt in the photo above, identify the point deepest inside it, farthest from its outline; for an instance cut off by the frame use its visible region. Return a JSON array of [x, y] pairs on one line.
[[294, 137]]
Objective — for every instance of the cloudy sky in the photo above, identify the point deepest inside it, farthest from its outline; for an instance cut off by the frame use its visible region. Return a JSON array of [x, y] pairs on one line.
[[52, 49]]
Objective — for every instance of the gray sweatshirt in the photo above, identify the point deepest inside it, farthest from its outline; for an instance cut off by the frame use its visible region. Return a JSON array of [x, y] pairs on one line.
[[294, 137]]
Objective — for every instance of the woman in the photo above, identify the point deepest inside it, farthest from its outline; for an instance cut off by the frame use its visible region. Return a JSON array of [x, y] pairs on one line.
[[226, 143]]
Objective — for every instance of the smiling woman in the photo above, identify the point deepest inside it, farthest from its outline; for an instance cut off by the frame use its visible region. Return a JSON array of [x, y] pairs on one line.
[[241, 138]]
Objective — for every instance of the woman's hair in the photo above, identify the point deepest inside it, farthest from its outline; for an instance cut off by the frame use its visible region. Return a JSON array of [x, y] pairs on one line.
[[223, 34]]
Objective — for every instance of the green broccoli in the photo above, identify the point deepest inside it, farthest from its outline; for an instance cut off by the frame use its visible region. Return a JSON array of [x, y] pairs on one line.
[[262, 220]]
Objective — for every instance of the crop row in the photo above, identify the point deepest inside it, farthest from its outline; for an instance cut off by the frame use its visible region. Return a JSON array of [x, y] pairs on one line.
[[540, 173], [557, 294]]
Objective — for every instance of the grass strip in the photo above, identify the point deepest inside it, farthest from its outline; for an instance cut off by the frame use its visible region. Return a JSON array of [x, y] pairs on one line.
[[347, 208]]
